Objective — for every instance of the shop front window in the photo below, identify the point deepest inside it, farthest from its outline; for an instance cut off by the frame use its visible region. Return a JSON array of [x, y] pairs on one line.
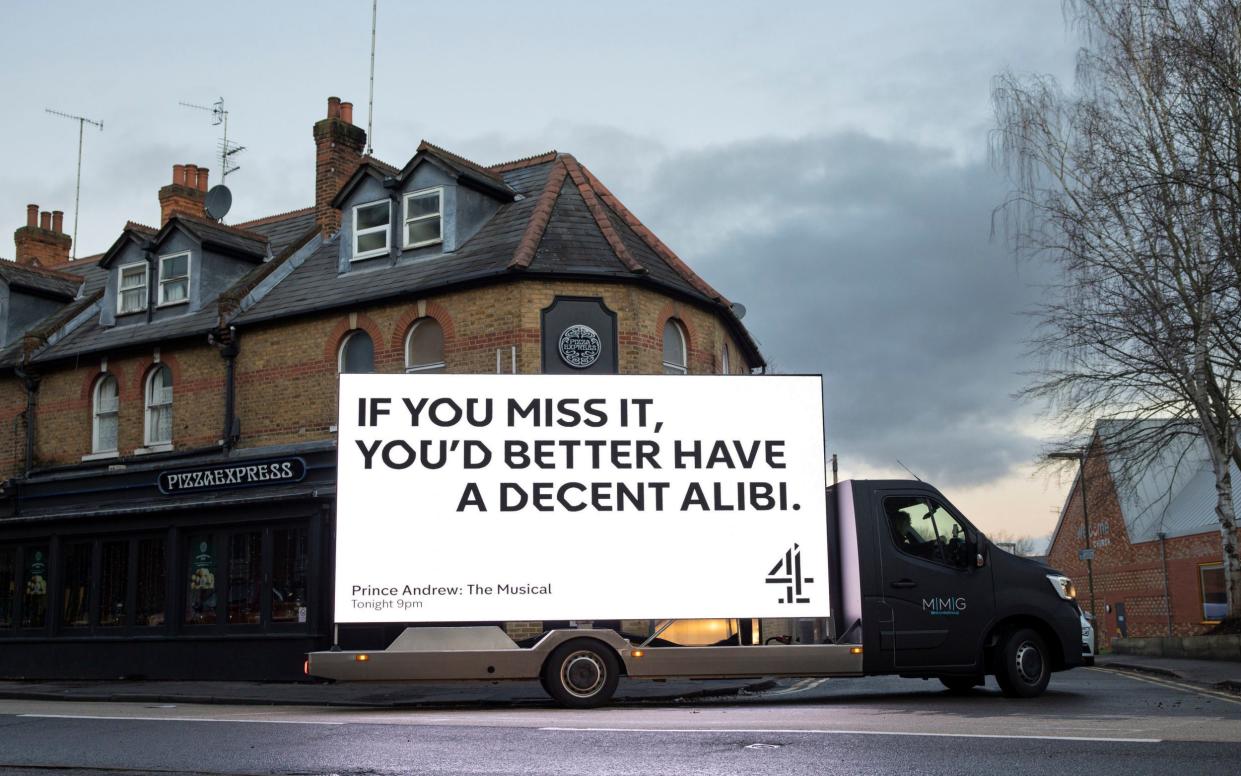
[[200, 603], [245, 552], [34, 591], [289, 558], [112, 592], [8, 585], [75, 598], [151, 583]]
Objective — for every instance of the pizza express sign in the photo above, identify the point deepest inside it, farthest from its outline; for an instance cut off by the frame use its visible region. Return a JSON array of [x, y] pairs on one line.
[[240, 475], [579, 346]]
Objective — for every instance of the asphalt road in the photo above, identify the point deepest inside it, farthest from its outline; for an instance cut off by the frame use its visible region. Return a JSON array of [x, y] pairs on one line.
[[1090, 721]]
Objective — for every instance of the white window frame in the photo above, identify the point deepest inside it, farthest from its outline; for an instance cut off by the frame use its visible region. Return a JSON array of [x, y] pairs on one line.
[[386, 228], [725, 361], [163, 280], [406, 220], [149, 405], [120, 289], [97, 413], [683, 367], [409, 339]]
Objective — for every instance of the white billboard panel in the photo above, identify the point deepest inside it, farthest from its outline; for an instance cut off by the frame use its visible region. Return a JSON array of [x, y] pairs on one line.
[[543, 497]]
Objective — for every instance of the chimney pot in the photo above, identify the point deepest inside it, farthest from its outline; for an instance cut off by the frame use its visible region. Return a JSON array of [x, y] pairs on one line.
[[45, 220], [333, 107], [346, 112], [32, 215], [178, 174], [202, 178], [191, 176], [58, 221]]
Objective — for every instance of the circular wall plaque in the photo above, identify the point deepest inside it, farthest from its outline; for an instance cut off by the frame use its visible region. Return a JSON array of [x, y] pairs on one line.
[[580, 346]]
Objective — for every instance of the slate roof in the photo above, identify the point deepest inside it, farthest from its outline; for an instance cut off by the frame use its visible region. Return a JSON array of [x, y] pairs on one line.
[[561, 222], [1174, 494], [564, 223], [46, 282], [281, 230], [91, 337]]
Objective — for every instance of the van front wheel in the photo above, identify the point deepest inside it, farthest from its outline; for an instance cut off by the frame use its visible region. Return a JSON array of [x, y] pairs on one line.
[[581, 674], [1022, 667]]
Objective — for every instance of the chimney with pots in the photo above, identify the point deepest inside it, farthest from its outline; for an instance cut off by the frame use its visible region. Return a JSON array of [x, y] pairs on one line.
[[42, 241], [338, 150], [186, 195]]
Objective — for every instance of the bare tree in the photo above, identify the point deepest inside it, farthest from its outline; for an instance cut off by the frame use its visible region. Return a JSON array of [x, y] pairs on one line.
[[1131, 184]]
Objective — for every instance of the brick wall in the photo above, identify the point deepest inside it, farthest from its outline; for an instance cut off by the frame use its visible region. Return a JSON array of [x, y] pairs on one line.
[[63, 430], [299, 357], [1129, 573]]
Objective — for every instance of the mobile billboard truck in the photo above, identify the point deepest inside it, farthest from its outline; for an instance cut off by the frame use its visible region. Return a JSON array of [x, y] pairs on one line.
[[579, 500]]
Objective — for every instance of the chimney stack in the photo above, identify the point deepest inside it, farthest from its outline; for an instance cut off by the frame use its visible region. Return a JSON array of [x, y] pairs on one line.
[[338, 151], [186, 195], [42, 241]]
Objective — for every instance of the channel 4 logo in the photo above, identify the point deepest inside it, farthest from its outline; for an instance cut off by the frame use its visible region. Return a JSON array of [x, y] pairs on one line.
[[787, 572]]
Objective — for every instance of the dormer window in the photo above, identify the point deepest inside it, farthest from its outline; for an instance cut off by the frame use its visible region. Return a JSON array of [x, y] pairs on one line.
[[174, 278], [371, 226], [132, 294], [424, 217]]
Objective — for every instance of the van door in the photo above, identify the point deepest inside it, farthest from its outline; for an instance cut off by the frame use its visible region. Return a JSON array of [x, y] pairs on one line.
[[940, 598]]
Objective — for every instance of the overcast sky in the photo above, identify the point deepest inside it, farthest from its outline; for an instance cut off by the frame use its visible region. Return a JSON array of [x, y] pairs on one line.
[[825, 163]]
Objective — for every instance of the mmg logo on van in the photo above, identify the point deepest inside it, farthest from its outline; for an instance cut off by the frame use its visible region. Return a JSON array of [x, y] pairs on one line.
[[944, 607]]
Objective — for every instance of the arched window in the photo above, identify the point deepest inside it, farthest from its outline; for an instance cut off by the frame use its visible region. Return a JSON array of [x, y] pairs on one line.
[[357, 354], [159, 406], [674, 348], [104, 415], [424, 347], [725, 365]]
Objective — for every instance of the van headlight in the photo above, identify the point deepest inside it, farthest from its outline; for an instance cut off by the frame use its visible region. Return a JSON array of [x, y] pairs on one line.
[[1063, 586]]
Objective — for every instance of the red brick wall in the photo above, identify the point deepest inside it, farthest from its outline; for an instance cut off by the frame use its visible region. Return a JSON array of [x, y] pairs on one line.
[[1129, 573]]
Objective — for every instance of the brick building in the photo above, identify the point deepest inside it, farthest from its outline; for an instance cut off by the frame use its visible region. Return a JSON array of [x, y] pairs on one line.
[[1157, 558], [167, 407]]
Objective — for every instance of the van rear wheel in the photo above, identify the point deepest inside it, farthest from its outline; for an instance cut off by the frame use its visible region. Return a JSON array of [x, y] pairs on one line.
[[581, 674], [1022, 666]]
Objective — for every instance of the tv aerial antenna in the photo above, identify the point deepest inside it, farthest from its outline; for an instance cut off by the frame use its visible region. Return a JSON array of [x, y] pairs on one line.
[[370, 99], [227, 149], [77, 189]]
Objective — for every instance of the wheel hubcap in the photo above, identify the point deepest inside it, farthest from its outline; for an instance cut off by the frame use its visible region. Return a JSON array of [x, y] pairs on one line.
[[1029, 663], [583, 673]]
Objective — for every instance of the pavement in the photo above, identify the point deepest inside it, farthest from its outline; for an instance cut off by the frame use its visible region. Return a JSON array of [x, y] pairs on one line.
[[1219, 675]]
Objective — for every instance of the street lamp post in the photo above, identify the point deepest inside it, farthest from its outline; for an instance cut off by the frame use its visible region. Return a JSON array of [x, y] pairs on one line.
[[1080, 457]]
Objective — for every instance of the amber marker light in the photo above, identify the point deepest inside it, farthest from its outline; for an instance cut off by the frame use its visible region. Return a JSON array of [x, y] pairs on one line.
[[855, 650], [361, 658], [637, 653], [306, 667]]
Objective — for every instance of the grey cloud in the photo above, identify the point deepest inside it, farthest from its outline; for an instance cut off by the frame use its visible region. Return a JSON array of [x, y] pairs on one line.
[[871, 262]]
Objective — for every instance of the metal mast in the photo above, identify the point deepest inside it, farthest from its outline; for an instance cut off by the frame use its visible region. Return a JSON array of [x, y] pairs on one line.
[[77, 189], [370, 101], [226, 149]]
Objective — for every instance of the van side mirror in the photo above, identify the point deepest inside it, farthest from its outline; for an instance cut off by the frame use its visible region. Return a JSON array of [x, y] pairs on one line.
[[976, 549]]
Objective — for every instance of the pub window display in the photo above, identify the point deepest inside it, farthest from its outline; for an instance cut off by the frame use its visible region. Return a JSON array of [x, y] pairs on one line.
[[8, 585], [75, 592], [34, 596]]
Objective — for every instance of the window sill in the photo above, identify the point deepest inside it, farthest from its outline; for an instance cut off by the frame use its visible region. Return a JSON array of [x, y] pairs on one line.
[[164, 448], [102, 456], [412, 246], [162, 305], [371, 254]]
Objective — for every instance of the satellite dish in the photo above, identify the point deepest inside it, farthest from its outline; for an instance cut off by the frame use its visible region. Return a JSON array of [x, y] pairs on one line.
[[738, 309], [219, 200]]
